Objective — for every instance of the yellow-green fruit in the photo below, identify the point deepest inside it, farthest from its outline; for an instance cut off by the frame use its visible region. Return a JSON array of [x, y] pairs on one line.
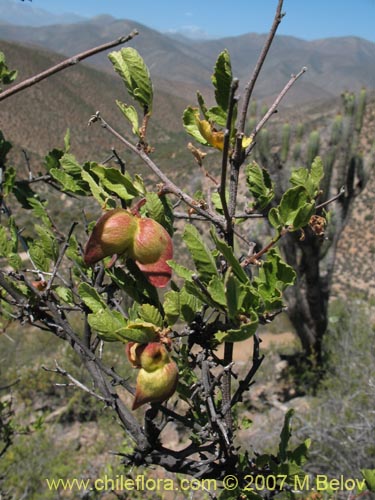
[[113, 234], [158, 376]]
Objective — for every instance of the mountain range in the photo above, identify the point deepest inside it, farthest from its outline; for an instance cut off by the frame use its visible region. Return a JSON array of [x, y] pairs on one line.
[[333, 65], [27, 14]]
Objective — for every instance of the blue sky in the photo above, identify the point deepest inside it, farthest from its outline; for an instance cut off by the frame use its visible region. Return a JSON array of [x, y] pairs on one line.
[[308, 19]]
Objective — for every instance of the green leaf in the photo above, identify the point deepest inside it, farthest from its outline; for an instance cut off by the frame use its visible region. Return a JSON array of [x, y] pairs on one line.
[[244, 332], [134, 72], [52, 159], [137, 288], [202, 105], [202, 257], [181, 271], [67, 182], [159, 209], [91, 298], [300, 454], [150, 314], [97, 191], [217, 291], [369, 477], [275, 272], [67, 141], [294, 209], [39, 257], [138, 331], [217, 115], [7, 76], [14, 260], [39, 210], [190, 119], [181, 303], [65, 294], [47, 241], [275, 219], [8, 180], [171, 307], [285, 436], [5, 244], [229, 256], [309, 180], [131, 115], [115, 182], [317, 172], [222, 79], [235, 295], [70, 165], [107, 324], [260, 185]]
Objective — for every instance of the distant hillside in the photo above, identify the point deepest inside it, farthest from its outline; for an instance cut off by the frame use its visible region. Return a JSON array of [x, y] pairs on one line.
[[28, 14], [333, 65], [38, 118]]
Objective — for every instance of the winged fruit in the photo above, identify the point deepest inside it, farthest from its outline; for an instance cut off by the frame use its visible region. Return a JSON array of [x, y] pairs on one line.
[[158, 375], [118, 232]]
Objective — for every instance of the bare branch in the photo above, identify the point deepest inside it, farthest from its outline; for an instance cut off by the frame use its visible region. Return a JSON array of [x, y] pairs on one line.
[[262, 57], [65, 64], [170, 186], [273, 109]]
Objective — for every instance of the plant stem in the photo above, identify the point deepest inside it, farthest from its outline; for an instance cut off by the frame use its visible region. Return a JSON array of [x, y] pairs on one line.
[[169, 185], [65, 64], [262, 57]]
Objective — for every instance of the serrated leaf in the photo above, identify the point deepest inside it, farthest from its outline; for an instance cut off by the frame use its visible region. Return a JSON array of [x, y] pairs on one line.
[[14, 260], [8, 181], [285, 435], [115, 182], [67, 141], [300, 454], [180, 270], [141, 332], [217, 115], [369, 477], [216, 289], [65, 294], [47, 241], [38, 256], [235, 295], [222, 79], [244, 332], [39, 210], [135, 74], [202, 105], [260, 185], [171, 306], [52, 159], [229, 256], [275, 273], [202, 257], [309, 179], [67, 182], [294, 209], [70, 165], [103, 198], [189, 305], [190, 119], [275, 219], [131, 115], [107, 324], [91, 298], [150, 314]]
